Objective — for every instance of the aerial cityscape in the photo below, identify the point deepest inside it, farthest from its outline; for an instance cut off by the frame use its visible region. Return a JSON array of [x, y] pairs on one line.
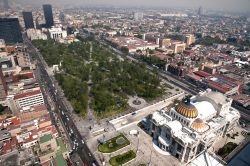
[[124, 83]]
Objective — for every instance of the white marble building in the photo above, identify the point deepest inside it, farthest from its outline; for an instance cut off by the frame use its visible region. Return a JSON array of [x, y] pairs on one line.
[[193, 125]]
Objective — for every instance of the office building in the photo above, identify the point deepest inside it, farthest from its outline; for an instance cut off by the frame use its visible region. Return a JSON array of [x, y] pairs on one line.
[[178, 46], [4, 5], [200, 11], [35, 34], [26, 98], [138, 16], [48, 15], [190, 39], [3, 86], [28, 20], [165, 43], [3, 50], [10, 30]]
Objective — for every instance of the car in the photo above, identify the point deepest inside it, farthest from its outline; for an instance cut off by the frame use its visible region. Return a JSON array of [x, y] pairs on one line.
[[83, 142], [133, 113], [71, 131], [89, 155]]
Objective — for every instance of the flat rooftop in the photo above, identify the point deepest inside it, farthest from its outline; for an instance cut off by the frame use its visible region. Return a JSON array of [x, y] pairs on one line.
[[46, 138]]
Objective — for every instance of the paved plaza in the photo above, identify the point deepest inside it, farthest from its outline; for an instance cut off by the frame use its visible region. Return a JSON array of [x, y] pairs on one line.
[[136, 102], [141, 144]]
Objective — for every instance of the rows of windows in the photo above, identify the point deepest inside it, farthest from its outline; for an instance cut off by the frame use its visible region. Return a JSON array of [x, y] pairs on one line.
[[31, 100], [180, 119], [25, 98], [25, 105]]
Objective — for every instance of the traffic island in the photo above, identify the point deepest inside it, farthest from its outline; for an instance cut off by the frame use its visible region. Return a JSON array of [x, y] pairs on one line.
[[113, 144], [122, 158]]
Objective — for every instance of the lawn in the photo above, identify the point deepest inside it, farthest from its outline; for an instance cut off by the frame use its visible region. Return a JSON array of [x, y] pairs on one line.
[[113, 144], [122, 158]]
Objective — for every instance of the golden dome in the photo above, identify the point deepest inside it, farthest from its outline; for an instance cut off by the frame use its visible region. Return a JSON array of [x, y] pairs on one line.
[[185, 108], [199, 126]]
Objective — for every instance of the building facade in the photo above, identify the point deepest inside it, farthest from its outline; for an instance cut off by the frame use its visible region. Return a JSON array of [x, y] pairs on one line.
[[190, 39], [28, 20], [10, 30], [48, 15], [57, 33], [193, 125], [138, 16], [28, 98], [3, 86]]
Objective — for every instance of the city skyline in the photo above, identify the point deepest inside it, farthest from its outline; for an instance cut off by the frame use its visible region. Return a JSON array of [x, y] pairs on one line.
[[220, 5], [94, 83]]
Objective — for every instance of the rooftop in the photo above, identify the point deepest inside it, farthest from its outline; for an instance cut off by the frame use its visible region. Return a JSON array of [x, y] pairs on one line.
[[46, 138], [27, 94]]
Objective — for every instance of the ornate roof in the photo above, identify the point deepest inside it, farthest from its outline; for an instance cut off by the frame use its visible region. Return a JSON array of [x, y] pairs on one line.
[[185, 108], [199, 126]]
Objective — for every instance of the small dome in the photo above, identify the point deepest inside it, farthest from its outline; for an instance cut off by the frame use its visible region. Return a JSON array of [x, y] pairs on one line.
[[185, 108], [199, 126]]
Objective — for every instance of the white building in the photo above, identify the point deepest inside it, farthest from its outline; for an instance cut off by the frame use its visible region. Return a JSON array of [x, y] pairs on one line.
[[57, 33], [193, 125], [35, 34], [138, 16], [26, 98]]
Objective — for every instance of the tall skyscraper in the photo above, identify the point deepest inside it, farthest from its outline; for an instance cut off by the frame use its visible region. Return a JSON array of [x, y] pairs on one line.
[[28, 20], [3, 86], [200, 11], [49, 21], [4, 5], [10, 30]]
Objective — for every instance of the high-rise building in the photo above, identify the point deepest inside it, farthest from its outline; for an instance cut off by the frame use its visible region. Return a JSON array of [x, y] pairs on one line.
[[4, 5], [190, 39], [138, 16], [49, 21], [200, 11], [10, 30], [3, 86], [28, 20]]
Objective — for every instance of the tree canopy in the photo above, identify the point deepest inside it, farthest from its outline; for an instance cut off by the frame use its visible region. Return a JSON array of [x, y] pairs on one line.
[[113, 80]]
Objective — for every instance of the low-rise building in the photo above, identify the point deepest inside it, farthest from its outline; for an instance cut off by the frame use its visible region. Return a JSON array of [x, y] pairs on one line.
[[26, 98], [133, 44], [57, 33], [36, 34]]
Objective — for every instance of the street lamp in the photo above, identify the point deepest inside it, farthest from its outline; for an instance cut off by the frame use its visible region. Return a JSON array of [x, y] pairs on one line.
[[137, 135]]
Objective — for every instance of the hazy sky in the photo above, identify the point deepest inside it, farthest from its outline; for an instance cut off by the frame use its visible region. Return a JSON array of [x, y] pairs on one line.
[[229, 5]]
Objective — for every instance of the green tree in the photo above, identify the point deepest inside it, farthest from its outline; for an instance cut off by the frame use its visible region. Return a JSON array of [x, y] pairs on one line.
[[1, 108], [124, 50]]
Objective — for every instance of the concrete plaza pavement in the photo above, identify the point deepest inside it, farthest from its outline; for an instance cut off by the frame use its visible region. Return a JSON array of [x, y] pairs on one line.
[[129, 119]]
